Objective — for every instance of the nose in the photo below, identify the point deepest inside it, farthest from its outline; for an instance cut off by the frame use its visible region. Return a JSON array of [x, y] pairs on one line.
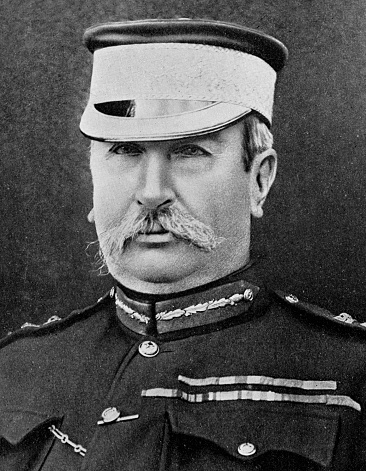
[[155, 189]]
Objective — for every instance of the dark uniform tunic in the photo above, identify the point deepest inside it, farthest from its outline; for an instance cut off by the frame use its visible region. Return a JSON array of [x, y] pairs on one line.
[[231, 377]]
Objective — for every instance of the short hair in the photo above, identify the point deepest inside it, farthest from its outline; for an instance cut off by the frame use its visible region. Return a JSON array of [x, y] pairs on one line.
[[256, 138]]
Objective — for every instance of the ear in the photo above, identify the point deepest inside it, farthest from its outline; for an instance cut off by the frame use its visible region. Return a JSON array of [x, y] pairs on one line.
[[262, 175], [91, 216]]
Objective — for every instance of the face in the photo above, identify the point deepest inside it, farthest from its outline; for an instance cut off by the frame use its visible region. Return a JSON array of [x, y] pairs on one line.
[[202, 176]]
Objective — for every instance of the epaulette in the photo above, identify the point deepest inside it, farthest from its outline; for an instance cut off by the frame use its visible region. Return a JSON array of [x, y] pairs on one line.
[[55, 322], [343, 319]]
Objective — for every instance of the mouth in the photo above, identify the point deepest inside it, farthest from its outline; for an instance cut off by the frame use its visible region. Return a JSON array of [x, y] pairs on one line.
[[155, 234], [156, 229]]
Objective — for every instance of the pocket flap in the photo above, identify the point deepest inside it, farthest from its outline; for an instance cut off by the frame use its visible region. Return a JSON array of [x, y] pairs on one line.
[[248, 430], [15, 425]]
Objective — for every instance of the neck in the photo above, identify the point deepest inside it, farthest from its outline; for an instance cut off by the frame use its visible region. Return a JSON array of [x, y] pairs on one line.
[[231, 277], [199, 278]]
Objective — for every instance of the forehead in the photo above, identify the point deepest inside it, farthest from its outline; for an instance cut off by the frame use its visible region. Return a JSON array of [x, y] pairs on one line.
[[231, 136]]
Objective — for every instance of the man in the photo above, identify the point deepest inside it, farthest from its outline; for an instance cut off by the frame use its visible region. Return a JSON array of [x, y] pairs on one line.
[[189, 362]]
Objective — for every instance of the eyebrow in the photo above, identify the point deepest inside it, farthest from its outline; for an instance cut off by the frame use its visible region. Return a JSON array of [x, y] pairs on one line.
[[213, 137]]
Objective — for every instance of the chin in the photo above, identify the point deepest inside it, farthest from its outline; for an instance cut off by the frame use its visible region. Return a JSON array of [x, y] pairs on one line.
[[156, 267]]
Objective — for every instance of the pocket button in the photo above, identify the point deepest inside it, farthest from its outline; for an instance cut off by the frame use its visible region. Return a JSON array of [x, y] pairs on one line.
[[246, 449]]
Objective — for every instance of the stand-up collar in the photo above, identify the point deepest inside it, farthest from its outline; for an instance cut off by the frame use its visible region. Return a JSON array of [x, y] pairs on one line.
[[187, 310]]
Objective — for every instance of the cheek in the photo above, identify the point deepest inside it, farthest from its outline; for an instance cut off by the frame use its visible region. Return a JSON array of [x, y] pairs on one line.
[[111, 197], [222, 204], [230, 205]]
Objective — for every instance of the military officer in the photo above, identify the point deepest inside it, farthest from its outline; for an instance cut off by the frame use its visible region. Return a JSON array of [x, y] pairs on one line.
[[190, 362]]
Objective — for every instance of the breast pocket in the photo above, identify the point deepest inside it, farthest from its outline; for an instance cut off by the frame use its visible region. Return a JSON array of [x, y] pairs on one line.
[[218, 436], [25, 439]]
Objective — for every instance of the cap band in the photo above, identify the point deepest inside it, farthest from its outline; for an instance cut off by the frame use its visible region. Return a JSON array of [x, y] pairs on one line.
[[150, 108]]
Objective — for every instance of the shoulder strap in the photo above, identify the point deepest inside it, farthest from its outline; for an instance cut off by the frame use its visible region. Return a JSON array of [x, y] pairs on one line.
[[343, 319], [55, 322]]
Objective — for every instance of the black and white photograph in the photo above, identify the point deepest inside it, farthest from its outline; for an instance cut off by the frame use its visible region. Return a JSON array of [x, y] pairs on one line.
[[183, 207]]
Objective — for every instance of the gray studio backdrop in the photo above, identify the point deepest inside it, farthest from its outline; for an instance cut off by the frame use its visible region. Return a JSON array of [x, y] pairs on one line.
[[314, 227]]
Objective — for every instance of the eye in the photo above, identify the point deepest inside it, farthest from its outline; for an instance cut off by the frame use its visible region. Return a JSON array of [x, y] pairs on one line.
[[188, 151], [127, 149]]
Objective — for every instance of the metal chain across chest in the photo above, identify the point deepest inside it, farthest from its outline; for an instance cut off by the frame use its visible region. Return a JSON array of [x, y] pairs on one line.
[[65, 439]]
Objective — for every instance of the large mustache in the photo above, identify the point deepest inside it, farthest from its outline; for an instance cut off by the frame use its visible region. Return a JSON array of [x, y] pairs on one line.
[[172, 218]]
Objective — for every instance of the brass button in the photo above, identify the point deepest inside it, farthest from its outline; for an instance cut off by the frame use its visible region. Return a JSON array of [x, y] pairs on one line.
[[110, 414], [148, 349], [248, 295], [291, 299], [344, 317], [246, 449]]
